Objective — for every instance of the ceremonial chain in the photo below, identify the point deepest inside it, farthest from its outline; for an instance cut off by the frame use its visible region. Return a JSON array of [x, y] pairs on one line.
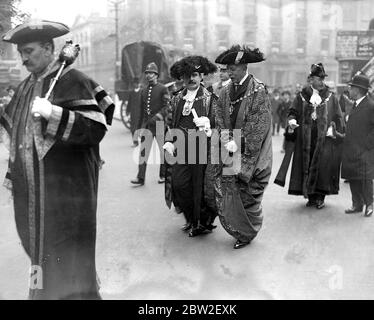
[[232, 103], [314, 106]]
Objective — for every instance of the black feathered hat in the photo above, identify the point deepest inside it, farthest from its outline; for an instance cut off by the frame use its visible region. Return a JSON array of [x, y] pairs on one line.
[[188, 65], [317, 70], [240, 55]]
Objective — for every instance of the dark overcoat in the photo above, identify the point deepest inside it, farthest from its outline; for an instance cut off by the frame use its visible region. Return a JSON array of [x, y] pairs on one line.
[[358, 149]]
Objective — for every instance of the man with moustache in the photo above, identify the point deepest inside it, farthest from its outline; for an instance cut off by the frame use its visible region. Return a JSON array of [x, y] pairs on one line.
[[358, 149], [315, 122], [192, 109], [54, 165], [243, 119], [154, 108]]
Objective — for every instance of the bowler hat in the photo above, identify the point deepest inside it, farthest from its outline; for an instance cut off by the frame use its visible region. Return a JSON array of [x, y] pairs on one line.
[[36, 30], [151, 67], [317, 70], [361, 81]]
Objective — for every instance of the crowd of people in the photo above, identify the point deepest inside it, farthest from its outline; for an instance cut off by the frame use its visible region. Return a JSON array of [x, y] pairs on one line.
[[215, 146]]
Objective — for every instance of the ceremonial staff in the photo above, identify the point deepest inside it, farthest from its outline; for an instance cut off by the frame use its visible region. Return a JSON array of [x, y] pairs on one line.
[[68, 54]]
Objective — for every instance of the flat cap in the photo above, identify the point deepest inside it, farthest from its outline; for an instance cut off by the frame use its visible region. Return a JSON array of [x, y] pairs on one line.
[[36, 30]]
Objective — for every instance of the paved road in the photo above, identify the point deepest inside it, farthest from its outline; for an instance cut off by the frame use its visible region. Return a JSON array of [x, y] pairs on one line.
[[301, 253]]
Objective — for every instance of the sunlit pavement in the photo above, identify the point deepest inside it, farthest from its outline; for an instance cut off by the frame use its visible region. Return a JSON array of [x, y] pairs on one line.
[[301, 253]]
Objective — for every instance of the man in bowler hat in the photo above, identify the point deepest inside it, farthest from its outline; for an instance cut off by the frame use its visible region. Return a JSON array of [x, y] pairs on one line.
[[358, 149]]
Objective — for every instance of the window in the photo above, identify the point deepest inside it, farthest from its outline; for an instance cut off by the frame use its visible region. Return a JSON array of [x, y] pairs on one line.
[[168, 34], [300, 13], [189, 10], [250, 12], [250, 38], [223, 8], [301, 42], [276, 38], [275, 16], [223, 34], [326, 11], [189, 36], [325, 42]]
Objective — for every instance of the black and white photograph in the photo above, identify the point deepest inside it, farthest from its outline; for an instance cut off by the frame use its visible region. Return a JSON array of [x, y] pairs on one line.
[[186, 150]]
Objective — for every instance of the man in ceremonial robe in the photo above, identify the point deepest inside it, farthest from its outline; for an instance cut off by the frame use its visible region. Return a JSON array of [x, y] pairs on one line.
[[54, 165], [243, 119], [191, 112], [315, 123]]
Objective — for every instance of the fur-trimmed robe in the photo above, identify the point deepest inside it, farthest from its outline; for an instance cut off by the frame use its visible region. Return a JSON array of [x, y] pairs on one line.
[[255, 158], [316, 162]]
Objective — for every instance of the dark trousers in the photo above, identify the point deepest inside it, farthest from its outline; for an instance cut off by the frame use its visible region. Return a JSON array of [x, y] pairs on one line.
[[362, 192], [188, 189], [145, 148]]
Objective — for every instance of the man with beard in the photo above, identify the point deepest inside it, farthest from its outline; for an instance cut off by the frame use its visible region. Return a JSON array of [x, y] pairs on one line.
[[243, 120], [192, 111], [154, 108], [314, 119], [54, 165]]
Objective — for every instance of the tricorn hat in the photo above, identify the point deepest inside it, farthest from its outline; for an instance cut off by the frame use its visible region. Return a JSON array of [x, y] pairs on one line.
[[361, 81], [240, 55], [317, 70], [36, 30], [188, 65], [151, 67]]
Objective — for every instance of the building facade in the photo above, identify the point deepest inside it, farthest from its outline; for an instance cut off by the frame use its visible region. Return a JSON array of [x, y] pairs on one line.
[[293, 34]]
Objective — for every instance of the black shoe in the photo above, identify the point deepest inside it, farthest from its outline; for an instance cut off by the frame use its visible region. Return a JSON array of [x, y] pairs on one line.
[[311, 204], [369, 211], [353, 210], [138, 182], [240, 244], [186, 227], [161, 180], [196, 231], [320, 204]]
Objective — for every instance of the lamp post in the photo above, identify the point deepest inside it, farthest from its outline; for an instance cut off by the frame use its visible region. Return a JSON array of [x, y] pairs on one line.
[[116, 5]]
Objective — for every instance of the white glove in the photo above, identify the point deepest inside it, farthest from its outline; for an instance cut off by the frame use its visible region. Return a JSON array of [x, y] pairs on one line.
[[169, 147], [293, 124], [231, 146], [42, 107], [202, 122]]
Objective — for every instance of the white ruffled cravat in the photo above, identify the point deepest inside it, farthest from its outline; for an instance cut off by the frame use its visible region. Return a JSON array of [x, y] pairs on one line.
[[315, 99]]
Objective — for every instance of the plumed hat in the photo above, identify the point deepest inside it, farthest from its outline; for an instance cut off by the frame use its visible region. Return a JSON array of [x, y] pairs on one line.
[[361, 81], [36, 30], [151, 67], [317, 70], [188, 65], [240, 55]]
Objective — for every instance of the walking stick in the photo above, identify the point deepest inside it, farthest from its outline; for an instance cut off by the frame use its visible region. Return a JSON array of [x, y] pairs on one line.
[[68, 54]]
